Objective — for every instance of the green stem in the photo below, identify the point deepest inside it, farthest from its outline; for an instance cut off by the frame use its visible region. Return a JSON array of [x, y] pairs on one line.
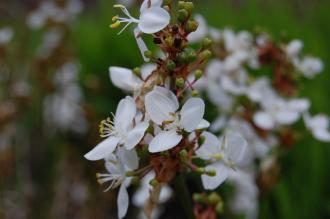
[[184, 196]]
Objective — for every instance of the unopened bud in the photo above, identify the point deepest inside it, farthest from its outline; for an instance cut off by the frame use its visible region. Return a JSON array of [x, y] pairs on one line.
[[153, 182], [199, 198], [206, 54], [207, 42], [170, 65], [191, 26], [195, 93], [181, 4], [182, 15], [214, 198], [137, 72], [198, 74], [183, 155], [219, 208], [148, 54], [189, 6], [180, 82], [169, 41]]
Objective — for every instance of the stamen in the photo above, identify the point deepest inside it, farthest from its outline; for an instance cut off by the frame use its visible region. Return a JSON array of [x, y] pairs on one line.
[[115, 25]]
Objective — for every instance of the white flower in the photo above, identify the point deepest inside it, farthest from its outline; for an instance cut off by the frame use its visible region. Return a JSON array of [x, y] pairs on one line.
[[126, 80], [6, 34], [162, 105], [293, 49], [277, 111], [319, 125], [310, 66], [201, 31], [120, 131], [223, 154], [117, 166]]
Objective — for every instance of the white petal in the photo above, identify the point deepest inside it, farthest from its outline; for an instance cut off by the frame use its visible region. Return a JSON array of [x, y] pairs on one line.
[[159, 104], [122, 201], [210, 146], [164, 141], [322, 135], [212, 182], [153, 20], [141, 44], [147, 69], [203, 124], [129, 158], [125, 114], [135, 135], [300, 105], [192, 113], [154, 3], [235, 146], [103, 149], [124, 78], [286, 117], [263, 120]]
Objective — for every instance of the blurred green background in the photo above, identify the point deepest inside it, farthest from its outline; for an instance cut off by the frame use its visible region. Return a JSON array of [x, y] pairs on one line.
[[303, 190]]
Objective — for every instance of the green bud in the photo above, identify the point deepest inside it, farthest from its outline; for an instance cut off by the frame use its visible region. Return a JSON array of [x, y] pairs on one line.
[[189, 6], [207, 42], [211, 173], [169, 41], [200, 170], [206, 54], [182, 15], [148, 54], [219, 208], [191, 56], [198, 74], [183, 155], [191, 26], [214, 198], [180, 82], [137, 71], [181, 4], [199, 198], [153, 182], [170, 65], [195, 93]]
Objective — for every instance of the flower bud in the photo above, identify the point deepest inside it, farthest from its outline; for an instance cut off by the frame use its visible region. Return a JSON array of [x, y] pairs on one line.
[[153, 182], [195, 93], [183, 155], [182, 15], [206, 54], [199, 198], [219, 208], [169, 41], [191, 26], [181, 4], [206, 43], [198, 74], [148, 54], [137, 72], [189, 6], [180, 82], [170, 66], [214, 198]]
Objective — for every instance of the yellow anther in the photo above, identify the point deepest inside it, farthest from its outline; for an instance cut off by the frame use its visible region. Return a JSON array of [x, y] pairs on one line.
[[115, 25], [97, 175], [115, 18], [217, 156]]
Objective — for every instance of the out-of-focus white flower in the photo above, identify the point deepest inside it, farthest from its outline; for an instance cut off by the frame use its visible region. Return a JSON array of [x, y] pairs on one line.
[[310, 66], [277, 111], [120, 131], [50, 41], [162, 107], [126, 80], [117, 165], [6, 34], [245, 198], [293, 49], [319, 125], [223, 154], [201, 31]]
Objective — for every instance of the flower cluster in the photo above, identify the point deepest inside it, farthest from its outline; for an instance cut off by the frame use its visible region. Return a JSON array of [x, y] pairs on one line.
[[159, 128]]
